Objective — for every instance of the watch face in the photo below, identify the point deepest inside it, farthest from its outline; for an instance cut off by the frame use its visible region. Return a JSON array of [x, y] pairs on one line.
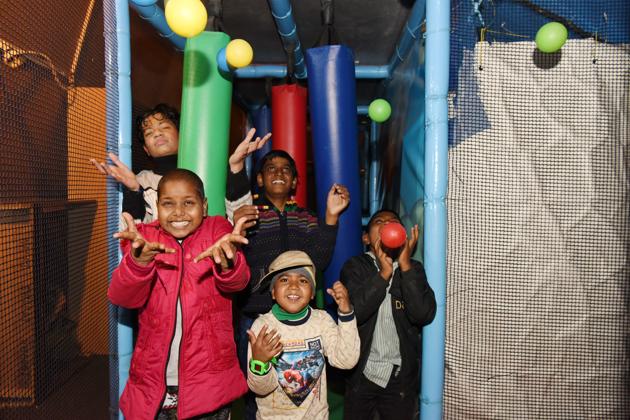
[[258, 367]]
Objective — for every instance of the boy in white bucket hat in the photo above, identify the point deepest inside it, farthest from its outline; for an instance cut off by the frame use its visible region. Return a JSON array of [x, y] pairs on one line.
[[289, 344]]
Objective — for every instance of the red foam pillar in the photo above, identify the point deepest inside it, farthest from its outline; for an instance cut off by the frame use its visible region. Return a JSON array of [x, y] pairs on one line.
[[288, 125]]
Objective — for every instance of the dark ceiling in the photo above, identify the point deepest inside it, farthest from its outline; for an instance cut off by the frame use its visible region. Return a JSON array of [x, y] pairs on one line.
[[370, 27]]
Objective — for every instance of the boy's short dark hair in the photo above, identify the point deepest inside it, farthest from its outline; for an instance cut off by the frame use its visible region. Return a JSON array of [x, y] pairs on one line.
[[274, 154], [384, 210], [166, 110], [182, 175]]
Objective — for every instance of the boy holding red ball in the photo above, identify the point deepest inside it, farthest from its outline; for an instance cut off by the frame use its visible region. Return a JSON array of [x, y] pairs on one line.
[[392, 301]]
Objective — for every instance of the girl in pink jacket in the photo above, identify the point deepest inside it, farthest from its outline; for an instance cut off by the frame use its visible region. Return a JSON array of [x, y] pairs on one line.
[[180, 272]]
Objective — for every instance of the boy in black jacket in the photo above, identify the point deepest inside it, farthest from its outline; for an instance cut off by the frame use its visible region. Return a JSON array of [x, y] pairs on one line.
[[392, 301]]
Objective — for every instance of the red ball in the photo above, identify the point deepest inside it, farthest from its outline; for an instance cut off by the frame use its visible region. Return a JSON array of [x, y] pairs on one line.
[[393, 235]]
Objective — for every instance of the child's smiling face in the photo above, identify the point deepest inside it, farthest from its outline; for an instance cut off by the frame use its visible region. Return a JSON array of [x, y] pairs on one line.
[[292, 291], [180, 208], [277, 178]]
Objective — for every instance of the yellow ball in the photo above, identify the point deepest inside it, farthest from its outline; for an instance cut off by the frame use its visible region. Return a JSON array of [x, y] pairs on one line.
[[239, 53], [186, 18]]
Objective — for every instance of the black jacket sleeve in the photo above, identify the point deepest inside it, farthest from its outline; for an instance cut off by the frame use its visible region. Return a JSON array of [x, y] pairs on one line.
[[366, 287], [133, 203], [237, 185], [418, 296]]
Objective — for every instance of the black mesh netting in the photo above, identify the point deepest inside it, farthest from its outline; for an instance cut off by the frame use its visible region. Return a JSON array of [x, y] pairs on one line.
[[53, 213], [538, 219]]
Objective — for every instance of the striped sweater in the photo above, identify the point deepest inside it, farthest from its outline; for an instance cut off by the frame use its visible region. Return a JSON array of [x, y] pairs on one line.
[[277, 232]]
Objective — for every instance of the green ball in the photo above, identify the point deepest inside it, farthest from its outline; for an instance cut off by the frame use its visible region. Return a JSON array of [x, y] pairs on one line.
[[551, 37], [379, 110]]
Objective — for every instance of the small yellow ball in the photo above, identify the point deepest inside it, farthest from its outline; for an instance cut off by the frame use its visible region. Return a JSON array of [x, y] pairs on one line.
[[239, 53], [186, 18]]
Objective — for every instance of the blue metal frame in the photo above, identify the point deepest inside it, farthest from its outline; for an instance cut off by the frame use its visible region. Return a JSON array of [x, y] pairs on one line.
[[436, 173], [123, 76], [283, 15], [257, 71], [437, 66], [155, 16]]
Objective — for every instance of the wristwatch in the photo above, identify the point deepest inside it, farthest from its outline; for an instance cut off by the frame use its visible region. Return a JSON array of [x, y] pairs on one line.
[[259, 368]]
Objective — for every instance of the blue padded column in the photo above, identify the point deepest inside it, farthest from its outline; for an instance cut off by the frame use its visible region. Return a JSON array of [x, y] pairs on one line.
[[333, 105]]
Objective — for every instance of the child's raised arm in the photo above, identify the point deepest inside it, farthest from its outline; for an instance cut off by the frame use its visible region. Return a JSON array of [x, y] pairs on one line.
[[119, 171], [342, 344], [246, 148], [336, 202]]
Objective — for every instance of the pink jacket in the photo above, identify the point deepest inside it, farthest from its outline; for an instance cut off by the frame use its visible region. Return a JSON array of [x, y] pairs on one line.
[[209, 375]]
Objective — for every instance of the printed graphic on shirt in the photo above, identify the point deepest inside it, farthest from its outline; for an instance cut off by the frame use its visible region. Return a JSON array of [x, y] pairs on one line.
[[299, 369]]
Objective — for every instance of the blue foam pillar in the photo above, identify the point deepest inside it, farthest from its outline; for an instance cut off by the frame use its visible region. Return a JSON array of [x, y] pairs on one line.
[[261, 118], [333, 105], [262, 123]]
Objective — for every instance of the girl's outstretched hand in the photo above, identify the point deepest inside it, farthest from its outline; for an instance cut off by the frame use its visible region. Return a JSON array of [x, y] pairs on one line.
[[142, 252], [223, 251]]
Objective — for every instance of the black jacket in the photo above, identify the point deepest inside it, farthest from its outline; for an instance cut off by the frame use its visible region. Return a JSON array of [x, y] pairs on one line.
[[413, 306]]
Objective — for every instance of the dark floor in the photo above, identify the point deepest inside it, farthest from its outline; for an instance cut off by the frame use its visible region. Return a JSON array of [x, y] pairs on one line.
[[85, 396]]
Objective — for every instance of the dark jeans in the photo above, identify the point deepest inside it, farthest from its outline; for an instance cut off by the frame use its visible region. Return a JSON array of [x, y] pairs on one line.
[[242, 340], [365, 400]]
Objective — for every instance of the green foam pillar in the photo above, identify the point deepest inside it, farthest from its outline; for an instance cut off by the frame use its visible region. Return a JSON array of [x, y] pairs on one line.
[[204, 132]]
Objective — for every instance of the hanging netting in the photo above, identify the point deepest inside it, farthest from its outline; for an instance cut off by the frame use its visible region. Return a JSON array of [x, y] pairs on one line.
[[54, 253], [538, 213]]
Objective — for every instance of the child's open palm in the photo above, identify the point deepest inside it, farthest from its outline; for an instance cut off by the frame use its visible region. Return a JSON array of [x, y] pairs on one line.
[[142, 251], [246, 148], [266, 345], [119, 171], [223, 251]]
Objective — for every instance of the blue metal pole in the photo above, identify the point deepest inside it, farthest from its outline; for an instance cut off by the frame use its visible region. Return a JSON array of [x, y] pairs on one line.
[[436, 165], [375, 169], [258, 71], [371, 72], [155, 15], [125, 331], [283, 15]]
